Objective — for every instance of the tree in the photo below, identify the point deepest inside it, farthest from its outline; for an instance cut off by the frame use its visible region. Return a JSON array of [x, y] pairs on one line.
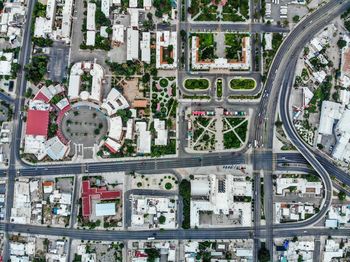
[[145, 78], [183, 35], [341, 195], [15, 67], [125, 114], [101, 19], [42, 42], [185, 193], [36, 70], [264, 254], [170, 60], [320, 146], [296, 19], [52, 129], [28, 92], [341, 43], [161, 219], [278, 123], [152, 253]]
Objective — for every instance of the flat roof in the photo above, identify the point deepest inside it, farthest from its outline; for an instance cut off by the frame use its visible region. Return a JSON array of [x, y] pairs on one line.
[[37, 122], [105, 209]]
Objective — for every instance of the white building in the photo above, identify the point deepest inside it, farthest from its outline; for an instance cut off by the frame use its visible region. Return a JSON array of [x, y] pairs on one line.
[[301, 184], [215, 194], [90, 24], [162, 132], [132, 44], [332, 250], [118, 34], [115, 101], [165, 39], [5, 63], [97, 73], [147, 4], [342, 130], [293, 212], [268, 41], [115, 128], [105, 209], [340, 214], [46, 93], [134, 17], [112, 145], [304, 249], [21, 210], [143, 138], [105, 4], [145, 47], [67, 20], [345, 66], [44, 25], [132, 3], [55, 149], [11, 19], [147, 210], [129, 129], [90, 38], [330, 112]]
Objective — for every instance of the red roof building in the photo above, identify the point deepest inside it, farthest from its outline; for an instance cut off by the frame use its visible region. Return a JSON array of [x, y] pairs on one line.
[[41, 96], [91, 193], [37, 122]]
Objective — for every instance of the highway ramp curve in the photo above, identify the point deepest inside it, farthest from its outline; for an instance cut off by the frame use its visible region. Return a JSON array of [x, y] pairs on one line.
[[281, 77]]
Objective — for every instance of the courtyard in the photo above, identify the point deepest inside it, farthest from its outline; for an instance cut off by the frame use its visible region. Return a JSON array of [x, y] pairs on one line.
[[84, 125]]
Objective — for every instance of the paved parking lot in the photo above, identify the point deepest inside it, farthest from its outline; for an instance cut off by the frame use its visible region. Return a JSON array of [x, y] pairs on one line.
[[80, 125], [59, 55]]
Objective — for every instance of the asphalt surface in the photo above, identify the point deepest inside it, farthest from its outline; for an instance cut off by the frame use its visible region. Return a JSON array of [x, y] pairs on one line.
[[282, 81], [240, 27], [277, 81], [213, 233], [6, 98]]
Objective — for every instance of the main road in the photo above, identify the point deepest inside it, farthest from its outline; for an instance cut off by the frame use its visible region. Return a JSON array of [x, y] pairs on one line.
[[211, 233], [279, 81]]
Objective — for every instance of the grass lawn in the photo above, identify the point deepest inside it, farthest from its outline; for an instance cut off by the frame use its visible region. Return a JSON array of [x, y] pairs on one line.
[[206, 40], [198, 83], [234, 45], [231, 140], [242, 83], [232, 6], [206, 50], [207, 14], [219, 88], [232, 17]]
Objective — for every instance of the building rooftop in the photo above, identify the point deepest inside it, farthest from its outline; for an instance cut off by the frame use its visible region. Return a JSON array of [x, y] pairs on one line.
[[38, 121], [100, 193]]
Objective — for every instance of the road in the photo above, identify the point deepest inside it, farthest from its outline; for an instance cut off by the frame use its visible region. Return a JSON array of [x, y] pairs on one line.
[[236, 27], [277, 83], [17, 123], [213, 233], [6, 98]]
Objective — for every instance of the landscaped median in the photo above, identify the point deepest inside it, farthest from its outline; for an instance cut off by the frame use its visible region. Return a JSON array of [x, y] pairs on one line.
[[196, 84], [219, 88], [242, 83]]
